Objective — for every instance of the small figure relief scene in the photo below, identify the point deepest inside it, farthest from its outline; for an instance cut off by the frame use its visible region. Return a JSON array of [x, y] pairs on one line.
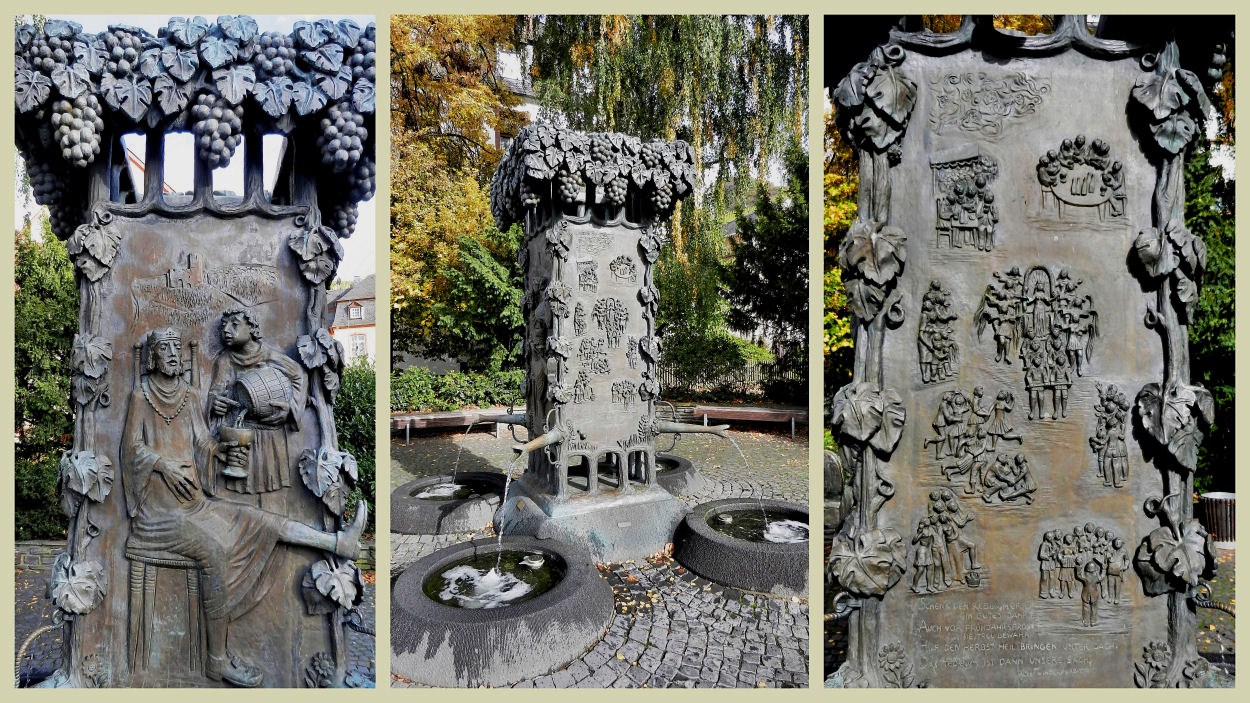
[[588, 276], [939, 354], [623, 269], [972, 438], [189, 292], [1110, 452], [624, 393], [611, 316], [1087, 563], [631, 352], [579, 320], [984, 104], [1052, 325], [943, 555], [1082, 174], [583, 392], [593, 353], [966, 212]]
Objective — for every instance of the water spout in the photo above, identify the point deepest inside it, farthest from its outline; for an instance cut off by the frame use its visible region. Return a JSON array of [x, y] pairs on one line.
[[669, 427], [544, 440]]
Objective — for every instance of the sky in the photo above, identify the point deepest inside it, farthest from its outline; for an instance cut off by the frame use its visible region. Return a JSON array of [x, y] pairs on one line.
[[360, 251]]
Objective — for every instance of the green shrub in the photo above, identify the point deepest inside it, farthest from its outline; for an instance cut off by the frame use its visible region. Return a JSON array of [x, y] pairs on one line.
[[355, 418], [417, 389]]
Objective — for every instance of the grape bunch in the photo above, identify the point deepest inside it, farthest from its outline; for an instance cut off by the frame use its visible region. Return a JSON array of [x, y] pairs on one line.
[[616, 190], [363, 60], [529, 196], [569, 185], [123, 48], [342, 136], [275, 55], [48, 187], [78, 127], [661, 196], [48, 53], [600, 147], [217, 127], [362, 180], [651, 155], [343, 219]]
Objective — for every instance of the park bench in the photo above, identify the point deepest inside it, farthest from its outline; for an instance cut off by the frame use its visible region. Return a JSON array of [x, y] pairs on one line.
[[751, 414], [450, 418]]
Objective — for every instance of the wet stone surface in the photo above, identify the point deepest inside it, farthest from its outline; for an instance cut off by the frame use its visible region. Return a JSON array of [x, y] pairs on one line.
[[672, 629]]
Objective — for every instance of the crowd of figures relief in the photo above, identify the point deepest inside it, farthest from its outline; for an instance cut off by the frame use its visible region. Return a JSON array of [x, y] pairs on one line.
[[971, 441], [1088, 563], [1049, 324]]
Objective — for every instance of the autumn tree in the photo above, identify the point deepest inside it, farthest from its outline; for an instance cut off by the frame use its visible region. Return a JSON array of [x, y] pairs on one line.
[[735, 88], [454, 278]]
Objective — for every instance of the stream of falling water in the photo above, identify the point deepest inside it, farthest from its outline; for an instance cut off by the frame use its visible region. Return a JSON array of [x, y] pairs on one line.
[[507, 481], [747, 464], [455, 468]]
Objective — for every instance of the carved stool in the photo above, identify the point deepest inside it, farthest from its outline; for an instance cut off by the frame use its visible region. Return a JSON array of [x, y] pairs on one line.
[[145, 568]]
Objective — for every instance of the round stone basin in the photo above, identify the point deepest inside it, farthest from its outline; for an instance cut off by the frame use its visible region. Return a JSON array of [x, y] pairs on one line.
[[484, 580], [677, 475], [437, 505], [727, 541], [566, 612], [755, 525]]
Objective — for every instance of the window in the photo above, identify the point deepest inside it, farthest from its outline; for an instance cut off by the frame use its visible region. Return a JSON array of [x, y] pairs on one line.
[[355, 312], [359, 348]]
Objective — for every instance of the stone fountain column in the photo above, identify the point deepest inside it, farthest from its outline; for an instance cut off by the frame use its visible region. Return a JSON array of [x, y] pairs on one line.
[[595, 208], [202, 322]]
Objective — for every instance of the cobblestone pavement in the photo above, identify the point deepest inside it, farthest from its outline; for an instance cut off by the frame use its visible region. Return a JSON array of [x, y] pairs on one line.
[[1216, 638], [44, 656], [671, 629]]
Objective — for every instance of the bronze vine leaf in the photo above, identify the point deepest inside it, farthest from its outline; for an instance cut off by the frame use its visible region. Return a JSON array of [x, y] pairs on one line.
[[339, 582], [275, 95], [335, 84], [92, 56], [1154, 252], [869, 564], [865, 299], [171, 96], [238, 27], [90, 355], [76, 587], [364, 96], [857, 410], [187, 31], [32, 89], [1160, 93], [234, 83], [893, 416], [322, 474], [873, 252], [307, 98], [219, 51], [72, 80], [893, 94], [1166, 563], [310, 352], [131, 95], [86, 475], [349, 32], [1174, 132], [326, 58]]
